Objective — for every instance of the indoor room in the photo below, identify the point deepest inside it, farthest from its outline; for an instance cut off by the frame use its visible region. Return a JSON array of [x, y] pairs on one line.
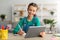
[[29, 20]]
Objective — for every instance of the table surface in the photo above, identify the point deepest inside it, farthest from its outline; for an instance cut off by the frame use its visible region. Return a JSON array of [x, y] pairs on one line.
[[18, 37]]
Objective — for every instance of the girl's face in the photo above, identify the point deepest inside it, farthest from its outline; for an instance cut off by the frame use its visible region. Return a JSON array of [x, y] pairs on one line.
[[32, 10]]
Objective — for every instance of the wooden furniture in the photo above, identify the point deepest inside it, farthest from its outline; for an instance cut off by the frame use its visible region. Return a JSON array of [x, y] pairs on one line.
[[18, 37]]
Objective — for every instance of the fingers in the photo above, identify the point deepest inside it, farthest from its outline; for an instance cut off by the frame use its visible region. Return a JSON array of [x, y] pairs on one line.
[[42, 34], [21, 32]]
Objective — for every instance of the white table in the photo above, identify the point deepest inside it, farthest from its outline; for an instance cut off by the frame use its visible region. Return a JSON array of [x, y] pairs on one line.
[[18, 37]]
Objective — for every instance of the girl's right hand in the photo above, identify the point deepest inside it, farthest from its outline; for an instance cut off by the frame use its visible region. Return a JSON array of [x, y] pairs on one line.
[[21, 32]]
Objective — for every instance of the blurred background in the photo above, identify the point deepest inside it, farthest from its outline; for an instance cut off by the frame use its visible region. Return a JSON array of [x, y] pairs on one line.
[[10, 11]]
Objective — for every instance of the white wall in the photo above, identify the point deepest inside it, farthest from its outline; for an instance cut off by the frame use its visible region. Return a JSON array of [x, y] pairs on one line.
[[6, 5], [58, 16]]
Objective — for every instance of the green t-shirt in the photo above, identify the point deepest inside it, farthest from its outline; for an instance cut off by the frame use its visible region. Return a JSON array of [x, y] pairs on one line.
[[24, 24]]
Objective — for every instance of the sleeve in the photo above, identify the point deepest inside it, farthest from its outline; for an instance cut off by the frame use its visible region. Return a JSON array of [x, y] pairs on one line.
[[18, 26], [37, 22]]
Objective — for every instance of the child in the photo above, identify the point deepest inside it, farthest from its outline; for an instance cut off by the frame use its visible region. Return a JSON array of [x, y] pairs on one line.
[[30, 20]]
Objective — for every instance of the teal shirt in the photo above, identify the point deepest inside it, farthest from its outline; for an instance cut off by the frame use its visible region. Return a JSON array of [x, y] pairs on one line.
[[24, 24]]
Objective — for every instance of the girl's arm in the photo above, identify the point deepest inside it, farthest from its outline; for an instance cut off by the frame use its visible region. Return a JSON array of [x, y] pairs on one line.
[[18, 27]]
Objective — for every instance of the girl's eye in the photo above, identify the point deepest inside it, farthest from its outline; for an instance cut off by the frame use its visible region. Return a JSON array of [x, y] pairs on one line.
[[33, 10], [30, 10]]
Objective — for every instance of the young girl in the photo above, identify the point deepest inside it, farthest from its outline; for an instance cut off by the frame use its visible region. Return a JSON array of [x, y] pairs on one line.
[[31, 20]]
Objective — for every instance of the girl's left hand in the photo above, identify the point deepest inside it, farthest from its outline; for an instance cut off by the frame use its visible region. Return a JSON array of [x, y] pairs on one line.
[[42, 34]]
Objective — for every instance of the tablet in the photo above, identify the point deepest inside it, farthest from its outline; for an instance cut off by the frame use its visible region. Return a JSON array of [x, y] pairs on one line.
[[34, 31]]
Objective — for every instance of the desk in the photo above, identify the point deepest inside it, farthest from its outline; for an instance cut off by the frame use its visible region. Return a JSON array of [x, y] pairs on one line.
[[18, 37]]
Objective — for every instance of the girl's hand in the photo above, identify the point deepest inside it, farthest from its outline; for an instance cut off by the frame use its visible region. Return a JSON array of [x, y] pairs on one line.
[[42, 34], [21, 32]]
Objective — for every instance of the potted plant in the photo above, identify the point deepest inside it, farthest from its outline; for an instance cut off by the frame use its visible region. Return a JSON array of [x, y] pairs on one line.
[[46, 21], [51, 22], [51, 12], [2, 16]]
